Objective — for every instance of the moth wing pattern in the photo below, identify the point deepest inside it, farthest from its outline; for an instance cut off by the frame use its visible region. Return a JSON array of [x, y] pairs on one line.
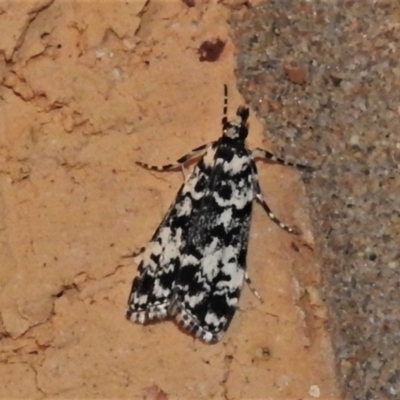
[[213, 262], [152, 290]]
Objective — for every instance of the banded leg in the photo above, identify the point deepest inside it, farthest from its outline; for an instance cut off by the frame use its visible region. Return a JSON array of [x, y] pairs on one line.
[[259, 196], [250, 284], [260, 153], [178, 163]]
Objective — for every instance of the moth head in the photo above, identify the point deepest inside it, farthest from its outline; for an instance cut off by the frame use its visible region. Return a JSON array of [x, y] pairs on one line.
[[239, 128]]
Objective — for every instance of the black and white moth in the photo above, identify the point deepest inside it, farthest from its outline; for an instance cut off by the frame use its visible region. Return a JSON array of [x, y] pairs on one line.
[[194, 266]]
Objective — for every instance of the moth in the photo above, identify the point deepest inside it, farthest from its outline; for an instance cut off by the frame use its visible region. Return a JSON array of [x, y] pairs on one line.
[[194, 266]]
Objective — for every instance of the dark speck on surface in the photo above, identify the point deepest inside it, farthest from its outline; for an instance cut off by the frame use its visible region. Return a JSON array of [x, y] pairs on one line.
[[211, 49], [339, 108]]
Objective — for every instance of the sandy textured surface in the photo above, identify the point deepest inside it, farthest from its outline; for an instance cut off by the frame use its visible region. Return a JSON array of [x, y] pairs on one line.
[[325, 76], [86, 89]]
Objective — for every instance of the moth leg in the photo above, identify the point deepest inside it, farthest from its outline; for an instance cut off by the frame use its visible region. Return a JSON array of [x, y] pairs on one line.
[[135, 253], [250, 284], [180, 162], [259, 196], [185, 172], [261, 153]]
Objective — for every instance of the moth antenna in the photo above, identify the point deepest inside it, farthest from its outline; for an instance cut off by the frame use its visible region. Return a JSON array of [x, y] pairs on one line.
[[225, 109]]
